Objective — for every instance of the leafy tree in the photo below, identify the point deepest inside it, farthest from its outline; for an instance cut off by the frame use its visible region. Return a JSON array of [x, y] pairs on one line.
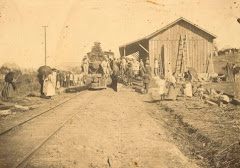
[[4, 70]]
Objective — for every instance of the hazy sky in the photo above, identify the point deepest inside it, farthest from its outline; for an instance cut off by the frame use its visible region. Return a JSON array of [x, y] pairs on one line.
[[74, 25]]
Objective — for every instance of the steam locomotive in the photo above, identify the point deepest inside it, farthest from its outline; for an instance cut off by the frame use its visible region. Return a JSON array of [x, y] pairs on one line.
[[95, 79]]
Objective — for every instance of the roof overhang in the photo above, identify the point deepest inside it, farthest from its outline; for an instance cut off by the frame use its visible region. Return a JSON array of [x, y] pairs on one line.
[[164, 28]]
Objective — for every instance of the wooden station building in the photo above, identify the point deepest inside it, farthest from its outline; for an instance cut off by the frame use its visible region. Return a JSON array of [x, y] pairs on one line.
[[164, 45]]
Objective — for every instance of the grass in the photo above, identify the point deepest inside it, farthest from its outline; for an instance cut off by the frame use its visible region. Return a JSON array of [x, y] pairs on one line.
[[221, 61], [26, 84]]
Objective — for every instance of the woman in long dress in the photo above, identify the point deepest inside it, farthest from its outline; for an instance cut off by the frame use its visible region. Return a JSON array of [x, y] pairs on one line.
[[172, 95], [48, 86], [8, 91], [161, 84], [9, 86]]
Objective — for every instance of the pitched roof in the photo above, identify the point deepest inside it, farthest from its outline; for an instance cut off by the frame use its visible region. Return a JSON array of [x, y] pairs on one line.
[[166, 27]]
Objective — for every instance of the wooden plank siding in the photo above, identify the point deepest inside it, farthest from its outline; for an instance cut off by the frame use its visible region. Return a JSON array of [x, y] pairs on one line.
[[199, 43]]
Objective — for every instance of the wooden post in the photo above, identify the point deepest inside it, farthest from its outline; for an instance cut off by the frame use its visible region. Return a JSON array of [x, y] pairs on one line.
[[212, 62], [187, 55], [143, 47], [45, 33], [124, 51]]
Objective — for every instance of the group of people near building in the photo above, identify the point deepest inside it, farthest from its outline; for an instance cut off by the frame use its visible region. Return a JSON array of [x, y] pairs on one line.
[[132, 69]]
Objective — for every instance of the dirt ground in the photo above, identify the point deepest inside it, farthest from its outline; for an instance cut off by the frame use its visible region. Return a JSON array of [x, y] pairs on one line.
[[208, 134], [125, 129], [114, 130], [35, 104]]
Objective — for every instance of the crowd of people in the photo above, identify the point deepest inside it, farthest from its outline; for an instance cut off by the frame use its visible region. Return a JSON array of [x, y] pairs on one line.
[[132, 69], [56, 79], [124, 69]]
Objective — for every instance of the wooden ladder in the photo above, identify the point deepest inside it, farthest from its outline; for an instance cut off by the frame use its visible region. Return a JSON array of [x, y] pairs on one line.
[[182, 57]]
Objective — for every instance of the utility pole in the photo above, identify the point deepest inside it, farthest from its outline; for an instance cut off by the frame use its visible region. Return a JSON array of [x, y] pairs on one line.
[[45, 33]]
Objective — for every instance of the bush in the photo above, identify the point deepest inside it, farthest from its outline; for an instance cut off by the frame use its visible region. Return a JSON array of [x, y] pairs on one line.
[[27, 84]]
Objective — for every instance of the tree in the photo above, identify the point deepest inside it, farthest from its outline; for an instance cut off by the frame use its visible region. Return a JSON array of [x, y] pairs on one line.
[[4, 70]]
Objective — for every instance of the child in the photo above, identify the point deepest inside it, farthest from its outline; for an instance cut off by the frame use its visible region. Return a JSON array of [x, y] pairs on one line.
[[200, 90], [161, 84]]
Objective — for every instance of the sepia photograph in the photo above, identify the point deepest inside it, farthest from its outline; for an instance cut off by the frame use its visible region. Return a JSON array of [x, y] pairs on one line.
[[119, 84]]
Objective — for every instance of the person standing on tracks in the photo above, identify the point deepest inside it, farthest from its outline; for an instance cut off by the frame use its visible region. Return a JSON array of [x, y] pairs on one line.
[[58, 85], [48, 86], [71, 78], [64, 79], [61, 78], [68, 79], [109, 69], [104, 66], [114, 75], [54, 77]]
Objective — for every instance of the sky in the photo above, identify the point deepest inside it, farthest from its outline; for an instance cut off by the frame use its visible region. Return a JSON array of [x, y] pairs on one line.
[[74, 25]]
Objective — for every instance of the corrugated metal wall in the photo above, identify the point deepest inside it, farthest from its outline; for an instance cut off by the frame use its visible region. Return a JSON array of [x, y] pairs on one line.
[[166, 43]]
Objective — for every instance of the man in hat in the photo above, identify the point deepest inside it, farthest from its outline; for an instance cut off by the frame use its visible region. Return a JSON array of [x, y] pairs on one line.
[[146, 80], [85, 65], [135, 68], [148, 68], [147, 61], [123, 64], [130, 74], [114, 75]]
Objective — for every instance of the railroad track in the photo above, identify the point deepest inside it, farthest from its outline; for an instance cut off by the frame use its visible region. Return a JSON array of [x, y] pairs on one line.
[[45, 111], [24, 159]]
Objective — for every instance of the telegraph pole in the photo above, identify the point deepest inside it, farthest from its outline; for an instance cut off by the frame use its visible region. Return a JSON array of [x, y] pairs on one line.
[[45, 33]]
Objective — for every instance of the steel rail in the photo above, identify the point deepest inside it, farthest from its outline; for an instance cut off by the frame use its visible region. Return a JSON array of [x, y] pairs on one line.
[[30, 154], [46, 111]]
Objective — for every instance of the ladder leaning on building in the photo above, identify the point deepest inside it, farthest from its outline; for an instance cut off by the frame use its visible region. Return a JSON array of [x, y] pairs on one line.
[[182, 60]]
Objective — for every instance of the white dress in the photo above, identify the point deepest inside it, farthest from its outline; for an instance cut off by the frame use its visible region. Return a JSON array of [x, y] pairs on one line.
[[162, 83], [48, 86], [188, 90]]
